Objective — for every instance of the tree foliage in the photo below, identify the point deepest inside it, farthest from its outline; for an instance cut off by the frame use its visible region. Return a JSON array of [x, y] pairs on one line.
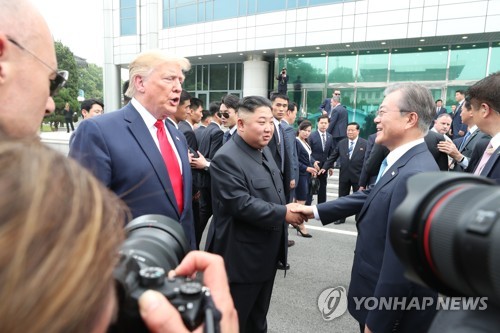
[[87, 78], [91, 81]]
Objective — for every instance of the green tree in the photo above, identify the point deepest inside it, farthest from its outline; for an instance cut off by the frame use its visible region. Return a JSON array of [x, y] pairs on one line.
[[91, 81], [66, 61]]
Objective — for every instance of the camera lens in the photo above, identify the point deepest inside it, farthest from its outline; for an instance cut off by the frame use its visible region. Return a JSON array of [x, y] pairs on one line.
[[447, 235], [155, 240]]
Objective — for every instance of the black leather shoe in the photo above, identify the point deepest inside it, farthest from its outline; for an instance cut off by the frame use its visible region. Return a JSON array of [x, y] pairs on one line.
[[291, 242], [280, 266], [339, 222]]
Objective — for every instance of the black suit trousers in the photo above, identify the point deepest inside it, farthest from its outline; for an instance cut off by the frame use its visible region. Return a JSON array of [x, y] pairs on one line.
[[345, 189], [322, 187], [205, 211], [252, 300]]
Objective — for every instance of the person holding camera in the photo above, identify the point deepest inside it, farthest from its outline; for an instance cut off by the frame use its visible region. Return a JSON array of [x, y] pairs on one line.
[[402, 122], [282, 82], [58, 260]]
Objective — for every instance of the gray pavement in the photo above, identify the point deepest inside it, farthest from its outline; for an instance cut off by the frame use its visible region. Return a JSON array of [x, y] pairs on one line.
[[317, 263]]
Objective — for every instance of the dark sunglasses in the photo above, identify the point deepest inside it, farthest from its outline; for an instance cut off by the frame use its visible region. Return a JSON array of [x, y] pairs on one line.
[[223, 114], [61, 76]]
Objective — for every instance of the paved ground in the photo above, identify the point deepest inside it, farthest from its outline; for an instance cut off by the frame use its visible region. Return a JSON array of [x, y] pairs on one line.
[[317, 263]]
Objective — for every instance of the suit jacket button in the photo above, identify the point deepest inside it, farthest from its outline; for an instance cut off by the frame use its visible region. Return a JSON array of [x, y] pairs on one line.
[[279, 190]]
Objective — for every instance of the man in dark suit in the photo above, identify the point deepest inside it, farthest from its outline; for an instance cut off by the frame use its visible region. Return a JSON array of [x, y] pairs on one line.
[[326, 105], [457, 128], [131, 150], [208, 145], [460, 150], [402, 122], [439, 108], [338, 121], [374, 155], [351, 153], [281, 151], [250, 214], [322, 147], [206, 118], [485, 105], [290, 135]]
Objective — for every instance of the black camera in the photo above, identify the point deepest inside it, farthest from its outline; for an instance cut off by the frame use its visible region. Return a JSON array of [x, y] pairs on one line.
[[155, 244], [446, 233]]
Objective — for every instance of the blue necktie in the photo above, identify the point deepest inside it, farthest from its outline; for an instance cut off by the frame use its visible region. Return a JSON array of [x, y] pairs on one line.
[[226, 137], [464, 140], [351, 147], [383, 166]]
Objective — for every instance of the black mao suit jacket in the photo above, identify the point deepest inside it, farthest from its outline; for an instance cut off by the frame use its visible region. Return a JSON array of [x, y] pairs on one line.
[[249, 229]]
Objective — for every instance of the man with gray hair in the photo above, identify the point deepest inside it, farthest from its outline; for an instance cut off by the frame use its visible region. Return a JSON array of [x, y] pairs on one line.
[[402, 123], [338, 121], [135, 152]]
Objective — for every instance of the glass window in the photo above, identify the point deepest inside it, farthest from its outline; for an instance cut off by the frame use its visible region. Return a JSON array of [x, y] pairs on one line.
[[209, 11], [302, 3], [190, 80], [219, 77], [322, 2], [184, 2], [311, 68], [418, 64], [224, 9], [269, 6], [232, 75], [202, 77], [341, 67], [242, 8], [346, 97], [185, 15], [373, 67], [495, 58], [201, 12], [251, 7], [128, 17], [166, 4], [128, 27], [368, 101], [313, 101], [239, 76], [468, 62], [216, 96], [127, 3]]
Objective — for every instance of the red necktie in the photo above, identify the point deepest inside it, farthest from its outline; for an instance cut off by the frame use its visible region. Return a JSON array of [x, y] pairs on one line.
[[174, 171]]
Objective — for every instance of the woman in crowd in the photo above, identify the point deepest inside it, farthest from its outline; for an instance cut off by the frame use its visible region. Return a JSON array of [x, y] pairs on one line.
[[306, 169]]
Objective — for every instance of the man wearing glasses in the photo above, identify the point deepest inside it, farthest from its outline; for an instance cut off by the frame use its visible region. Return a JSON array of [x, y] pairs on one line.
[[402, 123], [228, 107], [326, 106], [28, 75]]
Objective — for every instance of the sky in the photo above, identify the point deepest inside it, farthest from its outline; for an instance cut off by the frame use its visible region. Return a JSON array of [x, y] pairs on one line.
[[77, 24]]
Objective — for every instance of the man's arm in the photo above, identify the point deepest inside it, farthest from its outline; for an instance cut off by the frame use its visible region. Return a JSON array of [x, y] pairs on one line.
[[330, 160]]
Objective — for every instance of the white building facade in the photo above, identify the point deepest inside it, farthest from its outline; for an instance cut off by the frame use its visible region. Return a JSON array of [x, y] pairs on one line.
[[359, 47]]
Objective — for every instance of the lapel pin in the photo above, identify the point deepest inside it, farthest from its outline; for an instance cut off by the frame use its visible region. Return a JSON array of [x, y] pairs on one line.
[[177, 138], [393, 173]]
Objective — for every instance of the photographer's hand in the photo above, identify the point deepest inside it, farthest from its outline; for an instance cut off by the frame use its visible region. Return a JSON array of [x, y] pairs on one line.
[[161, 317]]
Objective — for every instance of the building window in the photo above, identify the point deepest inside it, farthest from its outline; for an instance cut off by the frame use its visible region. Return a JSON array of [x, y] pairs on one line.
[[373, 67], [417, 64], [495, 58], [264, 6], [224, 9], [128, 17], [342, 67], [468, 62], [310, 67]]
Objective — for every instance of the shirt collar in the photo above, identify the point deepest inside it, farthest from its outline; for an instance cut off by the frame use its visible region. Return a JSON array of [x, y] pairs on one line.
[[148, 118], [397, 153], [495, 141]]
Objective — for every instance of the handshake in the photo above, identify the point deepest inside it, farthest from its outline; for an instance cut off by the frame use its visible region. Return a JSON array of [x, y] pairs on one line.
[[296, 214]]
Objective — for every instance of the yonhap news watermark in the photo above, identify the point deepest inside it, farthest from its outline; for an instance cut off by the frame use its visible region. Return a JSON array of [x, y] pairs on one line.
[[332, 303]]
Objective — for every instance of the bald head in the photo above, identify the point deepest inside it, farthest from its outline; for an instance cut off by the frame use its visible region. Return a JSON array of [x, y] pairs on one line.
[[27, 63]]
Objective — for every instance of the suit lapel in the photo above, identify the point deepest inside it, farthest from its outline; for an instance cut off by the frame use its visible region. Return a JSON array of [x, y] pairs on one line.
[[183, 155], [390, 175], [144, 139], [491, 162]]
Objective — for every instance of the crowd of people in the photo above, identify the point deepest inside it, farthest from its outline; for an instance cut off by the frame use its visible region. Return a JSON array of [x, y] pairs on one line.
[[162, 153]]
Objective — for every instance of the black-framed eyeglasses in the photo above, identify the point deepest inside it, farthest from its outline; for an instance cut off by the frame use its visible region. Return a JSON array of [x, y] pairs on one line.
[[61, 76], [223, 114], [337, 94]]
